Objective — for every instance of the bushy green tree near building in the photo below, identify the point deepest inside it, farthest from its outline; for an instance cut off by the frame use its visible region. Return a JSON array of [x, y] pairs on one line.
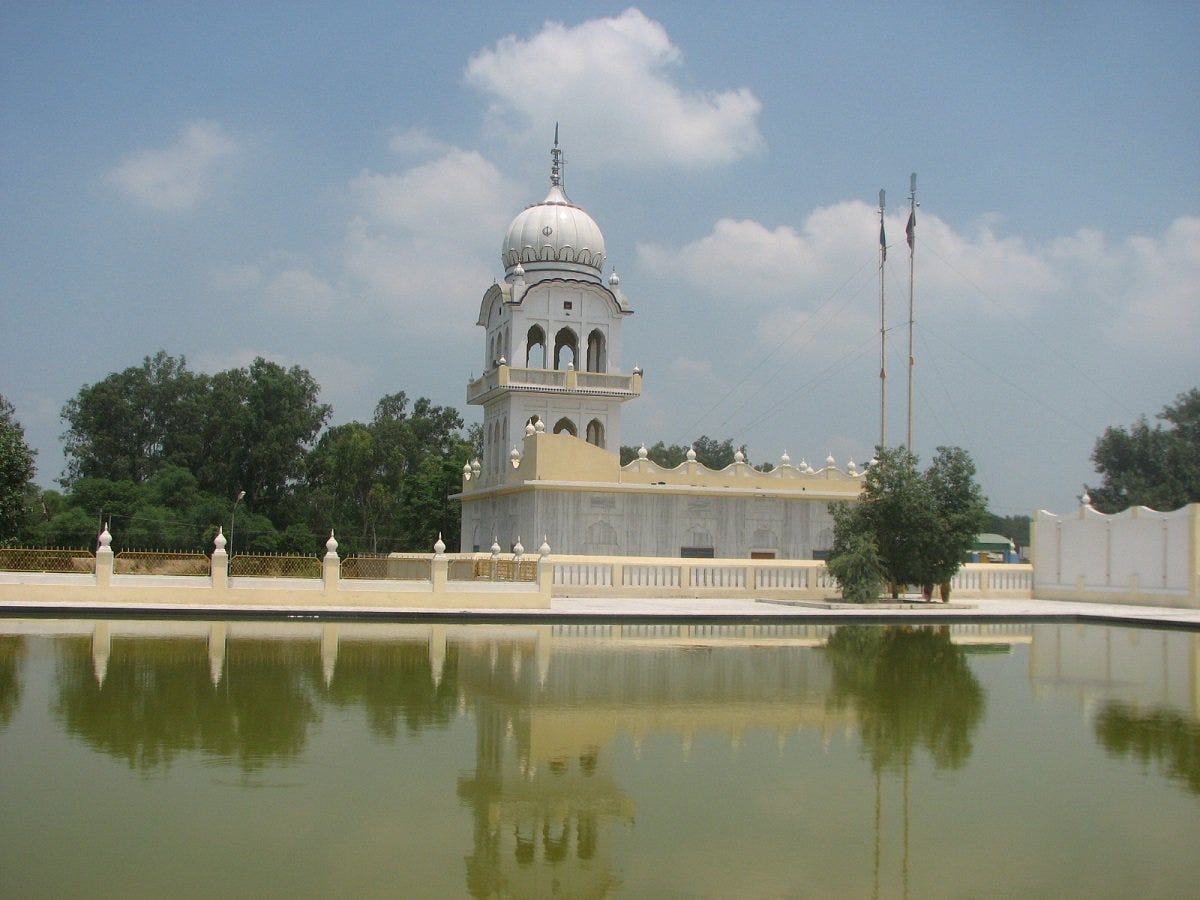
[[1157, 466], [858, 570], [922, 524]]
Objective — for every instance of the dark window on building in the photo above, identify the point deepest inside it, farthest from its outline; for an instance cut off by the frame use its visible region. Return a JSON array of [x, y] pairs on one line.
[[696, 553]]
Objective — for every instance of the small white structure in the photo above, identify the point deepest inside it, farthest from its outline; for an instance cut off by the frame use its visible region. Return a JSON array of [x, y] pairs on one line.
[[551, 394]]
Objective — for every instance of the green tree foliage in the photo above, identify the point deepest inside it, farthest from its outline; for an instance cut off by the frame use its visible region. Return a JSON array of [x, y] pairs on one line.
[[710, 452], [922, 524], [124, 427], [161, 453], [166, 512], [242, 429], [1015, 528], [858, 570], [386, 485], [1158, 466], [16, 473], [258, 427]]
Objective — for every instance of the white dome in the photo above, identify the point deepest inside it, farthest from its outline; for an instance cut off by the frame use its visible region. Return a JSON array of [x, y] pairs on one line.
[[554, 234]]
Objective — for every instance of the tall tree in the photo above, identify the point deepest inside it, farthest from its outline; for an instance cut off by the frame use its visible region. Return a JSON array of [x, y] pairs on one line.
[[1157, 466], [16, 472], [259, 424], [125, 426]]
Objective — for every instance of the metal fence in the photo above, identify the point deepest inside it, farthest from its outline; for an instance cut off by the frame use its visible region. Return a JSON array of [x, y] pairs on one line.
[[247, 565], [161, 562], [519, 570], [387, 568], [61, 559]]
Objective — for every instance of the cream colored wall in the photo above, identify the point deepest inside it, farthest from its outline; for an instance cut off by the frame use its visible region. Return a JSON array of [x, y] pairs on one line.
[[107, 590], [1139, 556]]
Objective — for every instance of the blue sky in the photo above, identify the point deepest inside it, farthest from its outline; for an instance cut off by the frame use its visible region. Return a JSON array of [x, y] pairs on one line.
[[328, 185]]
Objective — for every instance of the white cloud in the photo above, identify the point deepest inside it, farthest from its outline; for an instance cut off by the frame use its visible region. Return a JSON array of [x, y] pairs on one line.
[[458, 198], [1155, 307], [835, 251], [416, 142], [428, 239], [177, 177], [620, 74]]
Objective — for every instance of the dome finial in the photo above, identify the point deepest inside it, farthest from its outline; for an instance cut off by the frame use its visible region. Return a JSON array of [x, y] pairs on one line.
[[556, 164]]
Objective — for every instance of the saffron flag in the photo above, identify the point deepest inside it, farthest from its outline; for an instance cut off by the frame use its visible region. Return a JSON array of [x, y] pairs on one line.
[[882, 241], [910, 230]]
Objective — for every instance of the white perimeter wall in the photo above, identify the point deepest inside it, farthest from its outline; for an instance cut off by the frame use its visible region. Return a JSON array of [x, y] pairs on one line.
[[1136, 556]]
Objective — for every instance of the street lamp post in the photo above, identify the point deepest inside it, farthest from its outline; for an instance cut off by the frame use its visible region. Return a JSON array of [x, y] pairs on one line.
[[232, 516]]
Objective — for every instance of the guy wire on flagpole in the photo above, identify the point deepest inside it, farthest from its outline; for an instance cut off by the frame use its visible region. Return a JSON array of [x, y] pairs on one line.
[[882, 329], [910, 232]]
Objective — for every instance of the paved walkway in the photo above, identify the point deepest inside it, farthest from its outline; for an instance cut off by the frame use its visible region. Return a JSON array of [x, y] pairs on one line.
[[964, 609], [659, 609]]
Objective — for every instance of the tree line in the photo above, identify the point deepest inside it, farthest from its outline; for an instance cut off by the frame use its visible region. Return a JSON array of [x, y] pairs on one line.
[[165, 456]]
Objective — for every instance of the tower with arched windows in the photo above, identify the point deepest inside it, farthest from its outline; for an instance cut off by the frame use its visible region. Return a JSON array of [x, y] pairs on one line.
[[551, 392], [552, 334]]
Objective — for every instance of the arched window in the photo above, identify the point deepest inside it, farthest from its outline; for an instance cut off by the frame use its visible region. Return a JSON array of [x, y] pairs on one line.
[[595, 433], [566, 348], [597, 353], [565, 425], [535, 348]]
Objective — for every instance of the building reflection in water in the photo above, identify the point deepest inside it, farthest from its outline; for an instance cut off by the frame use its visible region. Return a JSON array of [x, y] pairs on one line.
[[550, 702], [1140, 688]]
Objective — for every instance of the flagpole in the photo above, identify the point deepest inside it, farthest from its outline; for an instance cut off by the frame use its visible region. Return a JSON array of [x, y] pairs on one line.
[[911, 233], [882, 329]]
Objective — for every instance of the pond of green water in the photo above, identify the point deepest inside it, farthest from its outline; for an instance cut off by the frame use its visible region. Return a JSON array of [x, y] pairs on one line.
[[296, 759]]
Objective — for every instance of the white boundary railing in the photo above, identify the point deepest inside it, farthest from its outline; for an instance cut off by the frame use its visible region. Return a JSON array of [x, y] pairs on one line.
[[636, 576]]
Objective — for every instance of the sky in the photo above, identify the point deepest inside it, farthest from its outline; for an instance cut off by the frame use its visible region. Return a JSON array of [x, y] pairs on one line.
[[328, 185]]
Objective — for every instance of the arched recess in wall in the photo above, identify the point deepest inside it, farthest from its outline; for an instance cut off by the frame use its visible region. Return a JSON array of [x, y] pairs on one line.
[[565, 425], [535, 348], [566, 348], [764, 539], [601, 536], [595, 433], [597, 352]]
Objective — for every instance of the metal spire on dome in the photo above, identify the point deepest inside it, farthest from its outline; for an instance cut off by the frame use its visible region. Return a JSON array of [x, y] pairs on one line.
[[556, 162]]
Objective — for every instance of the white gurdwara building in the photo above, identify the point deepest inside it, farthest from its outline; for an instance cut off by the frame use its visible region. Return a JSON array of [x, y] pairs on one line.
[[551, 394]]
